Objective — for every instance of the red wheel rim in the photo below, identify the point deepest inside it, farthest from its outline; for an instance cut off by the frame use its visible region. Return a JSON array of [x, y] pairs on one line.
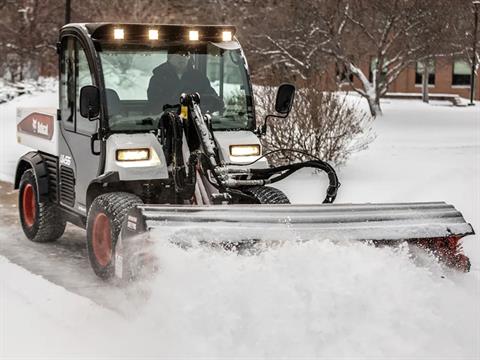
[[29, 206], [102, 239]]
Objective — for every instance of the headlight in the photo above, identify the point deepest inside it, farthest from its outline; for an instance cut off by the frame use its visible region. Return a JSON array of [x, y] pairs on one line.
[[244, 150], [133, 154]]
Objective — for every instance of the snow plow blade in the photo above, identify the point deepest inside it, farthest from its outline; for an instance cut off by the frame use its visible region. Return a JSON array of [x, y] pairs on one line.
[[436, 226]]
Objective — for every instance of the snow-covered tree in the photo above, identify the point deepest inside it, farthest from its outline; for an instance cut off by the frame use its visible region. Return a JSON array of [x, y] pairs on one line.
[[288, 40], [28, 29], [462, 34], [395, 33], [388, 34]]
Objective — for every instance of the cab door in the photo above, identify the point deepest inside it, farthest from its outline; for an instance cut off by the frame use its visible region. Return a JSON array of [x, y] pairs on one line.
[[78, 166]]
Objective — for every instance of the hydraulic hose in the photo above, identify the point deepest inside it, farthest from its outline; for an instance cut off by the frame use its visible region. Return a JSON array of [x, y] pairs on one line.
[[184, 183], [288, 170]]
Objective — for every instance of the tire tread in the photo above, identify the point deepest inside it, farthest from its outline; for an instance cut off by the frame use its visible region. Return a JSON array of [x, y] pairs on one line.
[[116, 206], [268, 195], [51, 223]]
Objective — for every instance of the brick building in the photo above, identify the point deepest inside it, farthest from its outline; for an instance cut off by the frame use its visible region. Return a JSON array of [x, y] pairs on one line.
[[447, 75]]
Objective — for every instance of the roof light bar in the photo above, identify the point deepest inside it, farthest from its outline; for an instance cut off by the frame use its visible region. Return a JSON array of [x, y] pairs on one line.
[[193, 35], [227, 36], [153, 34], [118, 34]]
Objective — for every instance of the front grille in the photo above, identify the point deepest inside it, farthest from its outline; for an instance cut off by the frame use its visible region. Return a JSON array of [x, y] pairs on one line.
[[67, 186]]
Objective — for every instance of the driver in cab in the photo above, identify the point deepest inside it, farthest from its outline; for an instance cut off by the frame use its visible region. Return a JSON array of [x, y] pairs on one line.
[[177, 76]]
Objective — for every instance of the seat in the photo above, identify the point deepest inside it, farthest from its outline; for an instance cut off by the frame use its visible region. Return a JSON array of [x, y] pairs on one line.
[[115, 107]]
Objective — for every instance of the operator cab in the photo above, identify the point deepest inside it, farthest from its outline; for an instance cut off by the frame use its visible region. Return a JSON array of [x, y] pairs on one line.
[[118, 85], [140, 67]]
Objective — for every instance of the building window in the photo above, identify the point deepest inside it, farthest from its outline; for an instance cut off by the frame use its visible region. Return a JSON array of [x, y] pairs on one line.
[[461, 73], [419, 72], [343, 75]]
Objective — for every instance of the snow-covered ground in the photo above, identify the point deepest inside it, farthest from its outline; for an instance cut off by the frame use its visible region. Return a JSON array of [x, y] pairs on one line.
[[314, 299], [39, 319]]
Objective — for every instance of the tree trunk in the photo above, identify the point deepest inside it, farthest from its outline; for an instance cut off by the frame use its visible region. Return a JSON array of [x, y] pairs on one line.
[[425, 97], [374, 105], [370, 91]]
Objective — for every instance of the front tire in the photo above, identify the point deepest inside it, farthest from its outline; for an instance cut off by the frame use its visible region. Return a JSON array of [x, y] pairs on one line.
[[41, 221], [104, 222], [267, 195]]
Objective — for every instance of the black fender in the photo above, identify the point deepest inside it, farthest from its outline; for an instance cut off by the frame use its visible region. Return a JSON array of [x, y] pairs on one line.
[[96, 186], [34, 160]]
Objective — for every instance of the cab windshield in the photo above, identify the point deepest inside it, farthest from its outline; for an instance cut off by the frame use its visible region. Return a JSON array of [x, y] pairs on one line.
[[141, 81]]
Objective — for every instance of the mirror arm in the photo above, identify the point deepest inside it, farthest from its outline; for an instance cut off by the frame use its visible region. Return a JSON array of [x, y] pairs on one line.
[[90, 117], [90, 108], [93, 138], [263, 129]]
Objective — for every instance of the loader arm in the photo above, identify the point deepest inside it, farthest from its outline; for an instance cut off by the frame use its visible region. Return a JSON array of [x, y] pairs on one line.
[[231, 180]]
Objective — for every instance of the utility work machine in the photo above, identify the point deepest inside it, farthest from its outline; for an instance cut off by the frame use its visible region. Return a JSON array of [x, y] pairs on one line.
[[156, 131]]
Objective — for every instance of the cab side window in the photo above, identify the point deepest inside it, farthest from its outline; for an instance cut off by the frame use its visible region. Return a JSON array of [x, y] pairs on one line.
[[67, 66], [74, 74], [83, 78]]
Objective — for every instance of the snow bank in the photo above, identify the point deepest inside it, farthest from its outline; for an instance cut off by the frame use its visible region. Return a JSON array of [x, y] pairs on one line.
[[314, 299]]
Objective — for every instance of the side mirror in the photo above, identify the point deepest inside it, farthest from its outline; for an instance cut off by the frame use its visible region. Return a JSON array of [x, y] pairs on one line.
[[283, 105], [89, 102], [284, 101]]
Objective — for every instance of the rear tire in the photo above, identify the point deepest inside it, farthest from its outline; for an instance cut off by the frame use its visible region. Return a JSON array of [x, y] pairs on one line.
[[104, 222], [41, 221], [267, 195]]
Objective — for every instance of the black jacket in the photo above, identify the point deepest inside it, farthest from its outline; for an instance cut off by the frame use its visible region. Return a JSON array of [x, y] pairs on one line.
[[165, 88]]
